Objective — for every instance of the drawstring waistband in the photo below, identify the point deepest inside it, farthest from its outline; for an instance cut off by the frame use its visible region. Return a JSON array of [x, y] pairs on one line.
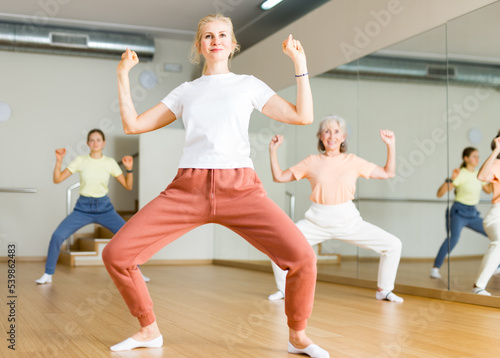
[[212, 191]]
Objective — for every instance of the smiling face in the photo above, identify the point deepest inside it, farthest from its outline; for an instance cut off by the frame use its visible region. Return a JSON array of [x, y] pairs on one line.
[[332, 137], [216, 43]]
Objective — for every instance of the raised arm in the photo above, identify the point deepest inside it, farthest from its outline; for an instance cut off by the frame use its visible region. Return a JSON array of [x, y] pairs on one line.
[[59, 175], [154, 118], [280, 109], [279, 176], [444, 188], [485, 173], [448, 184], [127, 181], [389, 170]]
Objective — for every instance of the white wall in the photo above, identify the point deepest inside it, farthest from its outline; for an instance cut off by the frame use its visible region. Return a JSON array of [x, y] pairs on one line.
[[55, 100]]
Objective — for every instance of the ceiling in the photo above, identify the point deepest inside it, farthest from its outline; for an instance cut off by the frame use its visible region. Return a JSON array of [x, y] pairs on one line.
[[159, 18]]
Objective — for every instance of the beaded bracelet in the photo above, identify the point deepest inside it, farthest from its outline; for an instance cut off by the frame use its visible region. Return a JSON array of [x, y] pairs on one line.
[[304, 74]]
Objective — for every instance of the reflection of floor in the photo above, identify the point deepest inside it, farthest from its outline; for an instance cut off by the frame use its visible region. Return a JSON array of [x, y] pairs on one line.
[[416, 274], [463, 274]]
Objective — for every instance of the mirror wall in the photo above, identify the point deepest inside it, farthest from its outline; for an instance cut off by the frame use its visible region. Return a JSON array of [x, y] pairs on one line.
[[473, 108], [438, 92], [396, 91]]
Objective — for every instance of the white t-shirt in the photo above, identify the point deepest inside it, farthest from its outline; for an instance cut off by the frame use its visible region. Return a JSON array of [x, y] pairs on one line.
[[216, 113]]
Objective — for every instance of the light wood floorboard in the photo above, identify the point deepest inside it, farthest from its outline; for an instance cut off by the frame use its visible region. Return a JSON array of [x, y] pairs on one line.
[[214, 311]]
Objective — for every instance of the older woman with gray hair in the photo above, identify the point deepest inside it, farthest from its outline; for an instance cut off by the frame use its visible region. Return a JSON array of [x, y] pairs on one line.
[[332, 214]]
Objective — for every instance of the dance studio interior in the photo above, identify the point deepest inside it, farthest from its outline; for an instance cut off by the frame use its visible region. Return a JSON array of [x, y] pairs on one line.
[[428, 70]]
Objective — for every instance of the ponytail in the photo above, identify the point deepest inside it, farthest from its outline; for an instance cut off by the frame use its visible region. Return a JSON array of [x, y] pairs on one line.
[[466, 154]]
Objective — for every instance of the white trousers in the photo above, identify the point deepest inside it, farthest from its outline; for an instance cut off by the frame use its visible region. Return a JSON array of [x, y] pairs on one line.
[[491, 259], [343, 222]]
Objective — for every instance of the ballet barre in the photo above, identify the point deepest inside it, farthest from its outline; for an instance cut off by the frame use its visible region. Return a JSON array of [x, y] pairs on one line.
[[18, 190]]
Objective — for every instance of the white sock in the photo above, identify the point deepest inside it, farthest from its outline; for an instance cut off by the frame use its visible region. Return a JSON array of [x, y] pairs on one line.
[[46, 278], [131, 343], [388, 296], [435, 273], [278, 295], [480, 291], [312, 350]]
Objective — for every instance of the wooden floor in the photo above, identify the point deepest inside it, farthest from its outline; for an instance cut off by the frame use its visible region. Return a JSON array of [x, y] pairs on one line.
[[215, 311]]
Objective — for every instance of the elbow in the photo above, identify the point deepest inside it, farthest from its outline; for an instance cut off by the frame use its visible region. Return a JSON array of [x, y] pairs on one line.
[[386, 174], [482, 177], [129, 127], [128, 130], [305, 120], [277, 180]]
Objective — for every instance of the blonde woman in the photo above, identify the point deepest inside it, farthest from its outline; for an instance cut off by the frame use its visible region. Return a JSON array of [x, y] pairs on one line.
[[216, 182]]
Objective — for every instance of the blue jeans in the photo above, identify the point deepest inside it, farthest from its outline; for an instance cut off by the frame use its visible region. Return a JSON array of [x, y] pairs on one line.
[[460, 215], [87, 211]]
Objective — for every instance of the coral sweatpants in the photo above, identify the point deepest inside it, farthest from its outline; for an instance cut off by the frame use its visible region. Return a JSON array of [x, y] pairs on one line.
[[234, 198]]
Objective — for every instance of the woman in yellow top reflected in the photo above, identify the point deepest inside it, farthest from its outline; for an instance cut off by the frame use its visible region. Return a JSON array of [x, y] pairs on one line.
[[463, 212]]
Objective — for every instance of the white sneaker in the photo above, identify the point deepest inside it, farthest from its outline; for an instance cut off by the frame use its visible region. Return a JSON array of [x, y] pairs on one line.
[[46, 278], [435, 273], [146, 279], [480, 291], [278, 295]]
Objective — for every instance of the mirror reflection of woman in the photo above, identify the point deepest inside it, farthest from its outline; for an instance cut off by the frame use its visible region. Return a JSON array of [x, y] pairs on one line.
[[332, 214], [463, 212], [490, 172]]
